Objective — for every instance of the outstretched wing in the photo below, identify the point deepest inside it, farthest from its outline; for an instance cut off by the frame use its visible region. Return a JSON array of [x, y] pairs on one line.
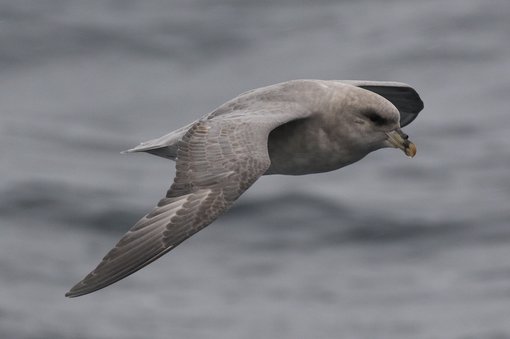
[[217, 161], [403, 96]]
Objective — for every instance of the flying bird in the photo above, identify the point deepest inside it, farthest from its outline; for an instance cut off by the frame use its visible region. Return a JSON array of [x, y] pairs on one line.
[[294, 128]]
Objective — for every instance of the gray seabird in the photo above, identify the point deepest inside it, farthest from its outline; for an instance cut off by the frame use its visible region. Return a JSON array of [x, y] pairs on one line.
[[296, 127]]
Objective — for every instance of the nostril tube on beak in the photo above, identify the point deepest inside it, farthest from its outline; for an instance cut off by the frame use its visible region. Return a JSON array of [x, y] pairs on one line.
[[402, 134], [399, 139]]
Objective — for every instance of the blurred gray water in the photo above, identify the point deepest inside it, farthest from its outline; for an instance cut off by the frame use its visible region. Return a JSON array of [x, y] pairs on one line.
[[386, 248]]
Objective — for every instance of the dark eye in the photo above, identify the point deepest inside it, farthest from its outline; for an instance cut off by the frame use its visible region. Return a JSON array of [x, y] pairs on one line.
[[376, 118]]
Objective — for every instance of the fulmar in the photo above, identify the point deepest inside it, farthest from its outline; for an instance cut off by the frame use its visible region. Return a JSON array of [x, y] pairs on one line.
[[295, 127]]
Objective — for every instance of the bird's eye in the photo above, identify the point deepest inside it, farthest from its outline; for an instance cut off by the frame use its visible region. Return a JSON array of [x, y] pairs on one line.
[[376, 118]]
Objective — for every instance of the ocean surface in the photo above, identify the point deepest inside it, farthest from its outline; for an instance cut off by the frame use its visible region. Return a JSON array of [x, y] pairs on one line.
[[389, 247]]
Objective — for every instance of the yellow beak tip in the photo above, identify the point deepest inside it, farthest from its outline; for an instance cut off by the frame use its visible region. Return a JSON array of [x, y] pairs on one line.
[[411, 150]]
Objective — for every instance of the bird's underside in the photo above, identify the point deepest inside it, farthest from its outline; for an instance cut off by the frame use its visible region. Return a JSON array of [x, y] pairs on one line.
[[217, 158]]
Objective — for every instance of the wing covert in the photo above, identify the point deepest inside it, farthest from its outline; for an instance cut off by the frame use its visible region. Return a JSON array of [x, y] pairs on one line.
[[217, 160]]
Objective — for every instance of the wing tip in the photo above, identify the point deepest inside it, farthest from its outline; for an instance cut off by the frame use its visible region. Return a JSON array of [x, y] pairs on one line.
[[410, 103], [70, 294], [73, 293], [81, 288]]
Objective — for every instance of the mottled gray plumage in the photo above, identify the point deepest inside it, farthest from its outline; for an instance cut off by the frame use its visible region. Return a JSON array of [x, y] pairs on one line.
[[296, 127]]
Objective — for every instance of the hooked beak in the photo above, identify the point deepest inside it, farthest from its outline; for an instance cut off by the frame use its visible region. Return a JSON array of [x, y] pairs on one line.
[[399, 139]]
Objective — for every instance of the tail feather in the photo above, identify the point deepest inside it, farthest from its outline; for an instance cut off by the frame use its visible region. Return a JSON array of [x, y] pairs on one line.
[[165, 146]]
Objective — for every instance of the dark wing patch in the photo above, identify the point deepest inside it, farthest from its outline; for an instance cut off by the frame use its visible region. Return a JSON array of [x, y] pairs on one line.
[[404, 97]]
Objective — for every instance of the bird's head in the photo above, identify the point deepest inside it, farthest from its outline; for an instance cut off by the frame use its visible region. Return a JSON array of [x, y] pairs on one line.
[[375, 123]]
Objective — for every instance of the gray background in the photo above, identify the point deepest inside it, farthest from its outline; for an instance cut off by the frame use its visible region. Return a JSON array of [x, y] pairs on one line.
[[386, 248]]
